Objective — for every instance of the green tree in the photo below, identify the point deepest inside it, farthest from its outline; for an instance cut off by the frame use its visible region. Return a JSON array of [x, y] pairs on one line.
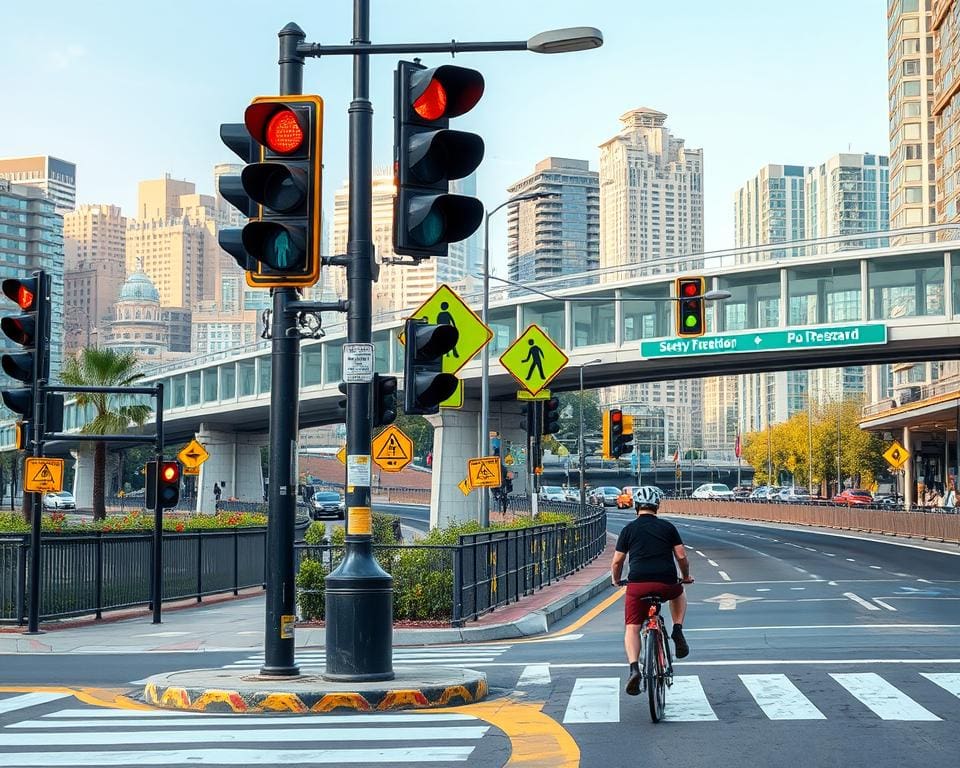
[[418, 429], [97, 367]]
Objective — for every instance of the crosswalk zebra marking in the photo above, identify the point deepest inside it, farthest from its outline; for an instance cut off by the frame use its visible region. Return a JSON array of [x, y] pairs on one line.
[[687, 701], [780, 699], [534, 674], [14, 703], [81, 718], [456, 656], [594, 700], [882, 698], [949, 681]]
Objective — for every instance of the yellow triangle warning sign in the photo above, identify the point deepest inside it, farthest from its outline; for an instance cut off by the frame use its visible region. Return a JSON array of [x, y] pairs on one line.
[[392, 450], [42, 475]]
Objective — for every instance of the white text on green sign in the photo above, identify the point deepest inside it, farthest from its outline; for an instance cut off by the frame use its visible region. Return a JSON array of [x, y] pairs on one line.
[[765, 340]]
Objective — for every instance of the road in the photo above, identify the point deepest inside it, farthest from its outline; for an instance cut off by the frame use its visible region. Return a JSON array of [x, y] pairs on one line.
[[811, 648]]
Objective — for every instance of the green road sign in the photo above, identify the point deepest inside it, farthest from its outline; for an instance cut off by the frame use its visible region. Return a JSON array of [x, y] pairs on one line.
[[763, 340]]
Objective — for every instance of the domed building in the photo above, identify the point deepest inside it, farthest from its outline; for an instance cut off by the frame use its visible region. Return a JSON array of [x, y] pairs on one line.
[[137, 326]]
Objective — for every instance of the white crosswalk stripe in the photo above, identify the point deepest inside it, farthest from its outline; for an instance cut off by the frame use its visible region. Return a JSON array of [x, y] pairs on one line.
[[780, 699], [115, 737], [456, 656], [882, 698], [949, 681], [534, 674], [594, 700], [25, 700], [687, 702]]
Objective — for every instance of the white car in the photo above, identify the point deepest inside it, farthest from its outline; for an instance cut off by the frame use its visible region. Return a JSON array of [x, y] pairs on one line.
[[712, 491], [552, 493], [59, 500], [792, 495], [572, 494]]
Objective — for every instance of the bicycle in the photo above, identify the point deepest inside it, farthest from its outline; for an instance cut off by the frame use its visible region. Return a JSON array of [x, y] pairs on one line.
[[656, 660]]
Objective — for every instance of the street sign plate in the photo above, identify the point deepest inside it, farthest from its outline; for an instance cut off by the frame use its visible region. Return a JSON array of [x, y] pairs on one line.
[[484, 472], [392, 450], [342, 455], [358, 362], [193, 455], [764, 340], [445, 307], [191, 471], [464, 486], [896, 455], [41, 475], [543, 394], [533, 359]]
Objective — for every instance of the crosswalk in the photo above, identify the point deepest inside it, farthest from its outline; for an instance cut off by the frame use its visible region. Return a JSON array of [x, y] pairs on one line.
[[456, 656], [122, 737], [775, 696]]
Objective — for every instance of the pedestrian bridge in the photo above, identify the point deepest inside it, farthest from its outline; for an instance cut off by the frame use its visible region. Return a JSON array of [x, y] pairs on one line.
[[806, 304]]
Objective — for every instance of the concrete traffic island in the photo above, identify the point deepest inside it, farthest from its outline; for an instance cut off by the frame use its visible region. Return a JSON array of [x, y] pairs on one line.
[[240, 691]]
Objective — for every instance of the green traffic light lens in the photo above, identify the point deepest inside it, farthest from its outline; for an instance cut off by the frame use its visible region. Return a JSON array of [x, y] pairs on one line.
[[690, 321], [429, 231]]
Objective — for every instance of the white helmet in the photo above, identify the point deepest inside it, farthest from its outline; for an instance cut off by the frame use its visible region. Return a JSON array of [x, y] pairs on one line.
[[647, 497]]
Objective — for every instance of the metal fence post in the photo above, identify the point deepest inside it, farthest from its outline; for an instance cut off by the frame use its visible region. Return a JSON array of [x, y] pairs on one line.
[[236, 561], [22, 582], [99, 575], [458, 586], [199, 566]]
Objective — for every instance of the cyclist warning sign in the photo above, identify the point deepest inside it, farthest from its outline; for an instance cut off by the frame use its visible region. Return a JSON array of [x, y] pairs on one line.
[[392, 450], [42, 475], [484, 472]]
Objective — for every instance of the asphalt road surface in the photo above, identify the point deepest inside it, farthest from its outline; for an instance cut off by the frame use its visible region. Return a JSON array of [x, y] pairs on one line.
[[807, 649]]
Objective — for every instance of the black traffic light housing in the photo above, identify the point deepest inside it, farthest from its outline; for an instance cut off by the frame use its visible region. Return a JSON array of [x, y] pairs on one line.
[[615, 417], [428, 155], [425, 385], [30, 329], [624, 446], [384, 400], [166, 483], [281, 139], [691, 310], [551, 416]]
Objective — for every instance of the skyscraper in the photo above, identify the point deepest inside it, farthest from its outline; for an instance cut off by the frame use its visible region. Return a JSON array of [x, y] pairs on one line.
[[56, 177], [848, 194], [556, 235], [770, 207], [651, 208], [465, 254]]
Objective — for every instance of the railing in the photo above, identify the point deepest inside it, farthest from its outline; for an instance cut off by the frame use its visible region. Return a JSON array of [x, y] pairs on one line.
[[948, 385], [96, 572]]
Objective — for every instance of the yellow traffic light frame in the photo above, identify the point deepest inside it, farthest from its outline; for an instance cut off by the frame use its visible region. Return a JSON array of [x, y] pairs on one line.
[[260, 280], [678, 314]]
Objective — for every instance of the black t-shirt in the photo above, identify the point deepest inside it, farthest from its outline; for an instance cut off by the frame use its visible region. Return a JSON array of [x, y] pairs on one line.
[[649, 543]]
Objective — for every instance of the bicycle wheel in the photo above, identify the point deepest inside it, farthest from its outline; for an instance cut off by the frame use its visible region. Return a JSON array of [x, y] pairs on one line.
[[653, 674]]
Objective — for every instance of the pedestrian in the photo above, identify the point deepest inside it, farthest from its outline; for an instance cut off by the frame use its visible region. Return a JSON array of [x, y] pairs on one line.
[[217, 493], [950, 500]]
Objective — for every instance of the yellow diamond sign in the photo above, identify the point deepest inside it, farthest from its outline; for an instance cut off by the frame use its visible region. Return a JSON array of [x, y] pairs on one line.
[[534, 359], [193, 455], [896, 455]]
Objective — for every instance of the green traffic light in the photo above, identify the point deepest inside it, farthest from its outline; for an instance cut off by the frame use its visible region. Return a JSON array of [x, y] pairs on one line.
[[690, 321]]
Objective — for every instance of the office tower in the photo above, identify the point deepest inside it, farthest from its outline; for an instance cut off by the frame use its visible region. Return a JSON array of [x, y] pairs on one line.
[[227, 214], [55, 177], [770, 208], [556, 235], [33, 239], [848, 194], [651, 208], [720, 416], [94, 242]]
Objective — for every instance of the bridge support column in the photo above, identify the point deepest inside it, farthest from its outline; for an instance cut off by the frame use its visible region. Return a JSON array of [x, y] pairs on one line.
[[909, 483], [83, 476], [234, 465]]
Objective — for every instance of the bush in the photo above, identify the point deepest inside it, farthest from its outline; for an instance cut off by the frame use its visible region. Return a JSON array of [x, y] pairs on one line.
[[310, 589], [316, 533], [135, 521]]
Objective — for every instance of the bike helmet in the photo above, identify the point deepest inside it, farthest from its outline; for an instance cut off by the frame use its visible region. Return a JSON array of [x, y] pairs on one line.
[[647, 497]]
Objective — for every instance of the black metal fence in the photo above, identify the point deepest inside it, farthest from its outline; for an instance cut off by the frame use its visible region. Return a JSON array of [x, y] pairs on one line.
[[91, 573]]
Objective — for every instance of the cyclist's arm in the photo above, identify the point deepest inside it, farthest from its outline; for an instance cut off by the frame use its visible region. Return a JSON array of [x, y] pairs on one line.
[[680, 555], [616, 567]]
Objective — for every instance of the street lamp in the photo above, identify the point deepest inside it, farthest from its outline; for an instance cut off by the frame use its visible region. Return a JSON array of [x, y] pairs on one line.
[[583, 491], [485, 355]]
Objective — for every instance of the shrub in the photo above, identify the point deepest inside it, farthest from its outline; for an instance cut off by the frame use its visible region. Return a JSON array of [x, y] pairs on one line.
[[310, 589], [316, 533]]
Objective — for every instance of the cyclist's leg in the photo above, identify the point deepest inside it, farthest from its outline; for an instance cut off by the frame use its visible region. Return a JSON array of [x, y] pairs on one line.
[[633, 615], [631, 643], [678, 611], [678, 608]]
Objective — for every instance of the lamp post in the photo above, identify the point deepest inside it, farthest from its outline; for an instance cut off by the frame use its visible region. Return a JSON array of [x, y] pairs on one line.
[[583, 489], [484, 447], [809, 443]]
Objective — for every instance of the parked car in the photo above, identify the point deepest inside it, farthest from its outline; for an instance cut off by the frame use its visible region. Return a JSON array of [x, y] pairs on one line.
[[552, 493], [742, 492], [888, 500], [59, 500], [793, 495], [327, 503], [571, 494], [605, 496], [853, 497], [625, 499], [712, 491], [765, 492]]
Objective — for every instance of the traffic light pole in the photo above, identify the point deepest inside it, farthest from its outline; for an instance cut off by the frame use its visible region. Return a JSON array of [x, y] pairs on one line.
[[278, 642], [41, 362], [156, 593]]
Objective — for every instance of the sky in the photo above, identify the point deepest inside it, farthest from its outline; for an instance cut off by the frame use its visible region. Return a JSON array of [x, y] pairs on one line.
[[130, 91]]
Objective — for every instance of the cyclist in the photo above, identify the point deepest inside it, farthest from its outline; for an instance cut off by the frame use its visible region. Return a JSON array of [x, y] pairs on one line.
[[653, 545]]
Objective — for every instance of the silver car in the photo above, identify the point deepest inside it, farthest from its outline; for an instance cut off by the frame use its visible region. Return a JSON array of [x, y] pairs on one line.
[[327, 503], [59, 500]]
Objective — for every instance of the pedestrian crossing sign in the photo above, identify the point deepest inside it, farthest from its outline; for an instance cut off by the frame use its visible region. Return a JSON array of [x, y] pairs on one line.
[[534, 359], [484, 472], [896, 455], [464, 486]]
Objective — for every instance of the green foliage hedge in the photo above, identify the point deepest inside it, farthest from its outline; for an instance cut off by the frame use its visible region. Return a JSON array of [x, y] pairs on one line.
[[135, 521]]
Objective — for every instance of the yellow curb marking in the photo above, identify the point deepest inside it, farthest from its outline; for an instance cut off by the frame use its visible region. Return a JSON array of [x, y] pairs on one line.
[[536, 740], [403, 698], [97, 697], [177, 698], [455, 691], [231, 698], [283, 702], [334, 700]]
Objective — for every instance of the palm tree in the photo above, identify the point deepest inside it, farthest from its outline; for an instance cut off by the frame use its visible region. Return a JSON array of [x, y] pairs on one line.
[[98, 367]]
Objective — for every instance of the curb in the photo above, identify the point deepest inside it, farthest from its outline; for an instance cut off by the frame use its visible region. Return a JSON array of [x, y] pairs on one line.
[[232, 691]]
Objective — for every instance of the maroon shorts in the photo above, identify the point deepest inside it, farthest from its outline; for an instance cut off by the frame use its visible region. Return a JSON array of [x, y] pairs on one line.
[[635, 606]]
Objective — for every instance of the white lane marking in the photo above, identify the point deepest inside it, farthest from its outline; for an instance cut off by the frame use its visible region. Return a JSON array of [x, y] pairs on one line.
[[860, 601], [699, 553], [798, 568], [189, 718], [734, 662], [780, 699], [924, 581], [29, 700], [851, 560], [882, 604], [687, 702], [225, 736], [763, 589], [142, 681], [832, 583], [949, 681], [162, 634], [250, 757], [830, 554], [534, 674], [884, 700], [594, 700], [904, 575], [723, 575], [810, 549], [797, 589], [875, 567], [713, 563]]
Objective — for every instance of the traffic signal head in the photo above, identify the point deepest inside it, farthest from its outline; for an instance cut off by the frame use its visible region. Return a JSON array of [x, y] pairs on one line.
[[691, 319], [625, 444], [28, 329], [615, 415], [279, 191], [425, 385], [384, 399], [428, 155], [551, 416], [169, 484]]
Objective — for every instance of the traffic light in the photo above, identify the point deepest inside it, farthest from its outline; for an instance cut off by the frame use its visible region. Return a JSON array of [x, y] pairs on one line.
[[551, 416], [28, 329], [281, 139], [169, 484], [384, 399], [427, 155], [613, 434], [624, 446], [425, 385], [691, 319]]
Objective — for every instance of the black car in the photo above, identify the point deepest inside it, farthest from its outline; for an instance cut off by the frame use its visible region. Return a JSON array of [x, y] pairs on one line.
[[326, 503]]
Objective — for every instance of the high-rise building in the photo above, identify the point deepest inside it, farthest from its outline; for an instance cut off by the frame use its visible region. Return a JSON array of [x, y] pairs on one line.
[[651, 208], [556, 235], [720, 416], [770, 208], [465, 255], [848, 194], [214, 330], [227, 214], [33, 239], [94, 243], [56, 177]]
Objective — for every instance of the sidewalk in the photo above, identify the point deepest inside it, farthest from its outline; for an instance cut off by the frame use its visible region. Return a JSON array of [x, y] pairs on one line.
[[236, 624]]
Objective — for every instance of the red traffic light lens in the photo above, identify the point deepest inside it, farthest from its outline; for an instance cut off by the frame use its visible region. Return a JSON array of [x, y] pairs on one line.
[[25, 297], [284, 133], [432, 103], [691, 289], [169, 473], [616, 416]]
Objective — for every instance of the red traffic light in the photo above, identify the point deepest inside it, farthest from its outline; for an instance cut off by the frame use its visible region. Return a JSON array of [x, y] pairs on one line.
[[170, 472], [444, 92], [284, 133], [23, 292], [691, 289], [616, 416], [432, 103]]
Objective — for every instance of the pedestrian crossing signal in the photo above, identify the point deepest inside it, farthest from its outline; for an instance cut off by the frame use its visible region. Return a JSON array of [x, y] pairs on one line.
[[425, 385]]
